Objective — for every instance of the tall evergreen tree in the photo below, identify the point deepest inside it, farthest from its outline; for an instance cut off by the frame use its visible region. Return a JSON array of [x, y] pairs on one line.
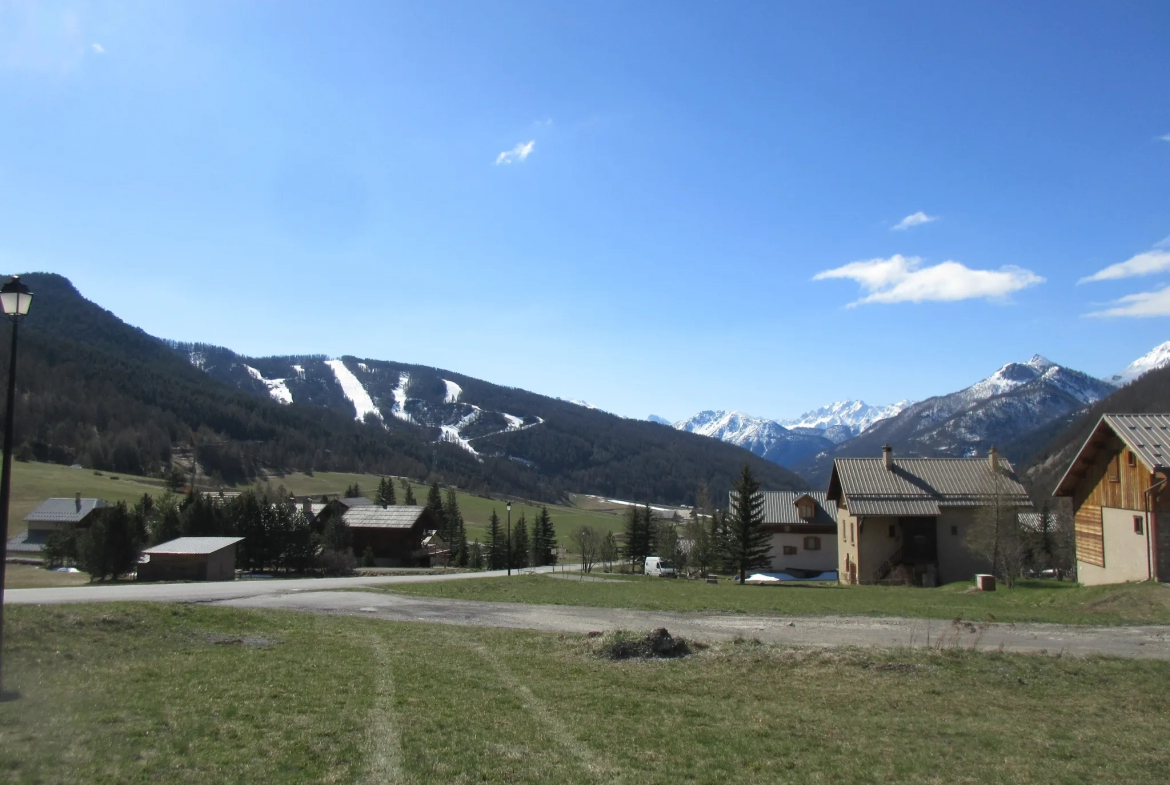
[[457, 528], [408, 499], [386, 495], [521, 545], [353, 491], [634, 537], [544, 539], [649, 532], [111, 545], [748, 544], [435, 505], [497, 544]]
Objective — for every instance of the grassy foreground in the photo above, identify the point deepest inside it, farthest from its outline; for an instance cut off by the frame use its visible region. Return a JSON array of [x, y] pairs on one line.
[[1032, 601], [192, 694]]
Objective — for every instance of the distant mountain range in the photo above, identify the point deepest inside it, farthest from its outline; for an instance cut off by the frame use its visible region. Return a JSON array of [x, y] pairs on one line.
[[1018, 407]]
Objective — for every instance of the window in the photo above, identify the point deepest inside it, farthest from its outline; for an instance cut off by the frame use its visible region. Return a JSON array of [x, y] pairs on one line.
[[954, 531], [789, 550], [806, 511], [1138, 527], [1130, 458], [893, 531], [851, 540], [1115, 469], [842, 532], [812, 543]]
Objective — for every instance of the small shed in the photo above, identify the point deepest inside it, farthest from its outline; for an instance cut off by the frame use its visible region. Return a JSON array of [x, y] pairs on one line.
[[190, 559]]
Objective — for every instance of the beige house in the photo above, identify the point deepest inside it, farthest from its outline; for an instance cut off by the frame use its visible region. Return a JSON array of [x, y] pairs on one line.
[[804, 532], [52, 515], [1121, 503], [906, 520]]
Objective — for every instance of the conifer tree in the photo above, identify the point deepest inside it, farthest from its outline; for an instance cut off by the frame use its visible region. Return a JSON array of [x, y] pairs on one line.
[[386, 496], [649, 532], [497, 545], [544, 539], [634, 537], [520, 543], [458, 530], [435, 505], [408, 499], [475, 560], [748, 543]]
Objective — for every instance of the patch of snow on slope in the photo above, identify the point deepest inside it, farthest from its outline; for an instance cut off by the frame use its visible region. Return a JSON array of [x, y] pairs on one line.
[[276, 387], [353, 390], [364, 367], [514, 423], [452, 433], [300, 371], [198, 360], [855, 415], [453, 391], [399, 393], [1158, 357]]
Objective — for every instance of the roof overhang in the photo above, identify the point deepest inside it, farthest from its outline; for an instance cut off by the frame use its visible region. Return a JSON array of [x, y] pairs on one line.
[[1088, 453]]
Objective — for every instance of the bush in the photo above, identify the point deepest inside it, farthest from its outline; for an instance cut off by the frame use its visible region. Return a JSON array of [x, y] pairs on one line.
[[623, 645], [61, 548], [336, 562], [368, 557]]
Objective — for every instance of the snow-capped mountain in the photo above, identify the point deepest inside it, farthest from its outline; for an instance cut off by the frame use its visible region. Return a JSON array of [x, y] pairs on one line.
[[1158, 357], [1016, 399], [766, 438], [842, 420], [657, 419]]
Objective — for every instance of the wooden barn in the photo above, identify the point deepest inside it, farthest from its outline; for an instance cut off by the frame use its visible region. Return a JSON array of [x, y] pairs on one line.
[[1121, 504], [190, 559], [394, 533]]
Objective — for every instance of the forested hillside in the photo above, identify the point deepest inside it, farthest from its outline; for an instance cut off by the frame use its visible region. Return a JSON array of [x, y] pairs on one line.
[[96, 391]]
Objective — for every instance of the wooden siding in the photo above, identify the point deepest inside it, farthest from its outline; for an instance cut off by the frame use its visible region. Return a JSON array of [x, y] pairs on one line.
[[1096, 489], [1090, 535]]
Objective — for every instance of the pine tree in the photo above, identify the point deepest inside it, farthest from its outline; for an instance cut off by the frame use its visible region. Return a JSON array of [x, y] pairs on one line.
[[520, 543], [634, 537], [386, 496], [475, 560], [649, 532], [497, 545], [353, 491], [408, 499], [748, 544], [435, 505], [458, 530], [544, 539]]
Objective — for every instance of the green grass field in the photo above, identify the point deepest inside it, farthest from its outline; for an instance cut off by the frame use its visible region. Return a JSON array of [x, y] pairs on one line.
[[24, 576], [194, 694], [1034, 601], [32, 483]]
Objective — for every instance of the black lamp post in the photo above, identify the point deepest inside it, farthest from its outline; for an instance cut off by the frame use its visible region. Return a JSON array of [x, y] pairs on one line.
[[509, 507], [15, 298]]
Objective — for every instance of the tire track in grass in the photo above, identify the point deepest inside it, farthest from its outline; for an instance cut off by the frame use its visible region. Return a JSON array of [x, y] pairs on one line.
[[383, 745], [595, 766]]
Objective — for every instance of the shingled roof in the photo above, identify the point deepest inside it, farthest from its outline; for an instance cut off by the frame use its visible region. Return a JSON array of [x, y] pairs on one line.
[[64, 510], [920, 486], [1147, 435], [389, 517]]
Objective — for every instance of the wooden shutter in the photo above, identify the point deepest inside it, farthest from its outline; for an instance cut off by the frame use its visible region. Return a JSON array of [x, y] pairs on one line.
[[1090, 536]]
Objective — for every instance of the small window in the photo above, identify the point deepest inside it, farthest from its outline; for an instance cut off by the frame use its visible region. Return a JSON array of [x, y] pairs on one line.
[[893, 531], [954, 531], [789, 550], [812, 543], [842, 533], [851, 540], [1115, 469], [1130, 458], [1138, 525]]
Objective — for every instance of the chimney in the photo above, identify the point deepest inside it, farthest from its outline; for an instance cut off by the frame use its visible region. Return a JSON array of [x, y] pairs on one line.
[[77, 501], [993, 459], [307, 506], [888, 457]]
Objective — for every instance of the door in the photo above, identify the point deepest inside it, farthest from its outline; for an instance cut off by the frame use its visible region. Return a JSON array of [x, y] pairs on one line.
[[919, 539]]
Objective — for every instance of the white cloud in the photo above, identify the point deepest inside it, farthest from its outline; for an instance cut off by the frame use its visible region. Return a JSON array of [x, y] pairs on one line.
[[1146, 263], [98, 49], [1165, 138], [518, 153], [1143, 304], [917, 219], [903, 279]]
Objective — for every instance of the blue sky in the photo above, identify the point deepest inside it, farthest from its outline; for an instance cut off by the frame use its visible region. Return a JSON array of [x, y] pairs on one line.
[[653, 207]]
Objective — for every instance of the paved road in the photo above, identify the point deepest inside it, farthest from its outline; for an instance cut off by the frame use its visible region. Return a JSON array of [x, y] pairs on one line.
[[213, 591], [322, 596]]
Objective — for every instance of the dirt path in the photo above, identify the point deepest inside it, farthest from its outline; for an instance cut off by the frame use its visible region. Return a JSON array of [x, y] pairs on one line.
[[1134, 642]]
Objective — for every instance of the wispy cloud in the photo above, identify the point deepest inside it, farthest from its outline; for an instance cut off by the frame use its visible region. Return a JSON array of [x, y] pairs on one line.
[[546, 122], [98, 49], [518, 153], [1165, 138], [916, 219], [901, 279], [1156, 260], [1143, 304]]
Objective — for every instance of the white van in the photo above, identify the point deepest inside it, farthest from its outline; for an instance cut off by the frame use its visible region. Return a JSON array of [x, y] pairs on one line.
[[659, 567]]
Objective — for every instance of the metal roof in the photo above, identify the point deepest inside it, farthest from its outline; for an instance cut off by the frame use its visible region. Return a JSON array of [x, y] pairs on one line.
[[65, 510], [391, 517], [29, 541], [921, 486], [193, 545], [1147, 435], [354, 501], [780, 507]]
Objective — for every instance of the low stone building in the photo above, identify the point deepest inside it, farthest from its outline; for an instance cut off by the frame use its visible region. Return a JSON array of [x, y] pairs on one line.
[[190, 559]]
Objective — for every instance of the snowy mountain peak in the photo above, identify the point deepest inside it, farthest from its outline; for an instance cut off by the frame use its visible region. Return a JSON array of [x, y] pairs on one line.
[[660, 420], [1158, 357], [854, 415], [1040, 362]]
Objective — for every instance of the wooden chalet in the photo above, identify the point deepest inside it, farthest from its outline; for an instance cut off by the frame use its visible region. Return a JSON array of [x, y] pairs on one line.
[[394, 533]]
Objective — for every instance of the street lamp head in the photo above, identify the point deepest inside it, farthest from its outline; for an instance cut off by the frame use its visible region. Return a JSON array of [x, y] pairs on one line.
[[15, 297], [508, 506]]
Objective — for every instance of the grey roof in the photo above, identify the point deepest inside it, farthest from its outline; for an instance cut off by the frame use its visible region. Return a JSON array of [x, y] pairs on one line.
[[920, 486], [29, 541], [780, 507], [354, 501], [1147, 435], [193, 545], [392, 516], [64, 510]]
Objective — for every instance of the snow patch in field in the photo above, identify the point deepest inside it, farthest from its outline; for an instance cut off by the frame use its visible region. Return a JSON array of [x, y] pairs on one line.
[[453, 391], [399, 393], [514, 423], [300, 371], [353, 390], [276, 387], [453, 435]]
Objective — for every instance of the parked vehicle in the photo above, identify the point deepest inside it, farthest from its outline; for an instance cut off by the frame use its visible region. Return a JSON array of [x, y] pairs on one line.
[[659, 567]]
